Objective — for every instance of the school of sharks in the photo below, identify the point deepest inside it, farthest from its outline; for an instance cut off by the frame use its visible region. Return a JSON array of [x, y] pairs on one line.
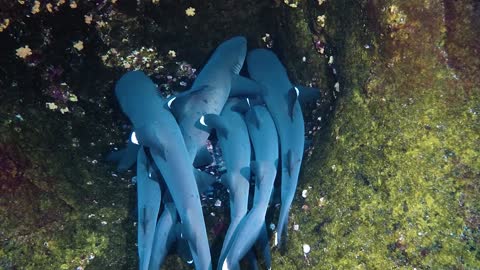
[[260, 130]]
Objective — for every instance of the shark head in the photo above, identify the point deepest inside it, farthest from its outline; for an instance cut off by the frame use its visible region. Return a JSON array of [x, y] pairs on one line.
[[265, 68], [231, 54], [138, 97]]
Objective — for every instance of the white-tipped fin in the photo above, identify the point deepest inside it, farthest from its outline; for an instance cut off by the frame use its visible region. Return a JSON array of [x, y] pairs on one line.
[[225, 265], [190, 262], [133, 138], [298, 91], [275, 239], [202, 120], [169, 103], [248, 101]]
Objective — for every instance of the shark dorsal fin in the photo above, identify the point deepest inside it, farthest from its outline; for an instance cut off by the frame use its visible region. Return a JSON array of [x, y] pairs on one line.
[[307, 95], [292, 99], [217, 122], [242, 106]]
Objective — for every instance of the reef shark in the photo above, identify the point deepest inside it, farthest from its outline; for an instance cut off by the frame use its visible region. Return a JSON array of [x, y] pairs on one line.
[[156, 128], [264, 138], [281, 99], [234, 142], [148, 206], [209, 92], [208, 95]]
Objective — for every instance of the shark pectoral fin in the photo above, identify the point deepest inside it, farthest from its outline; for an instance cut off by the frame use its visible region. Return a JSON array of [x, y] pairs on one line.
[[308, 94], [242, 106], [203, 158], [242, 86], [204, 180], [292, 99], [129, 158], [216, 122]]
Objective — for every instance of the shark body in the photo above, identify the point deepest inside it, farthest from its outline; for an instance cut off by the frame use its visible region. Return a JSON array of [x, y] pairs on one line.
[[157, 129], [281, 99]]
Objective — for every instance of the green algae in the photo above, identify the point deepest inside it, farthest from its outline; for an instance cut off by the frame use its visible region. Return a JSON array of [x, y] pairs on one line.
[[398, 165]]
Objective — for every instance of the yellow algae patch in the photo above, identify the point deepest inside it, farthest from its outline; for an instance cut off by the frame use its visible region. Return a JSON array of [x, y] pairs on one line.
[[78, 45], [23, 52], [190, 11]]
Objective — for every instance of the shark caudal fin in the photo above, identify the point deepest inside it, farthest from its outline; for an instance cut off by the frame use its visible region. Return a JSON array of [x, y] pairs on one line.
[[264, 247], [165, 235], [292, 99], [148, 205], [216, 122]]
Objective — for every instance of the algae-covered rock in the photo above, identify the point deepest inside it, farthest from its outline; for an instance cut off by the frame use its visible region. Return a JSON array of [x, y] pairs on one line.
[[392, 178], [395, 180]]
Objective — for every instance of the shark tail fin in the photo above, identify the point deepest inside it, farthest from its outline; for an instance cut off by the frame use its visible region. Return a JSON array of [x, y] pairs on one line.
[[264, 247], [216, 122], [293, 94]]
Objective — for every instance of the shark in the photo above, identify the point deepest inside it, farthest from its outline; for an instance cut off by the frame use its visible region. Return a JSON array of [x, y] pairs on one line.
[[264, 138], [209, 92], [234, 142], [148, 206], [207, 95], [156, 128], [282, 101]]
